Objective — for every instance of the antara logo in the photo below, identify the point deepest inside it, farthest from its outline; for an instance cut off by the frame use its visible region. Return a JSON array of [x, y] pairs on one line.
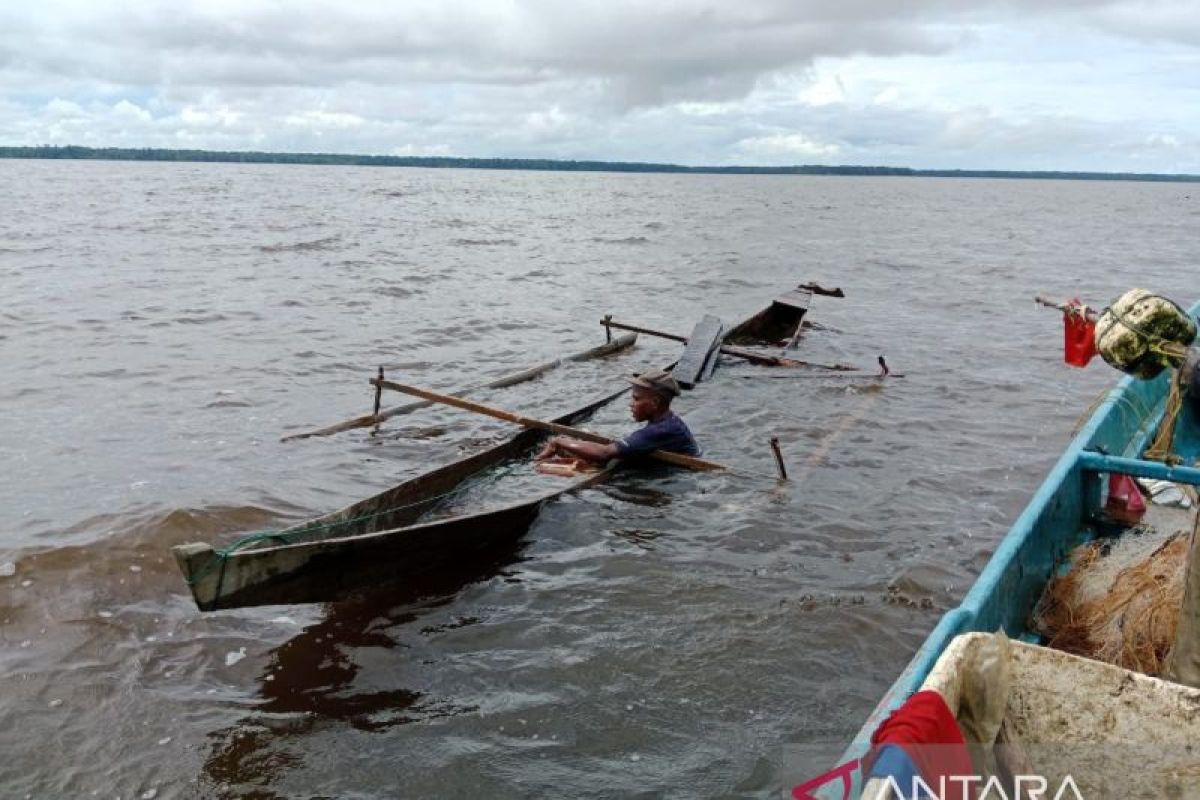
[[953, 787], [1024, 787]]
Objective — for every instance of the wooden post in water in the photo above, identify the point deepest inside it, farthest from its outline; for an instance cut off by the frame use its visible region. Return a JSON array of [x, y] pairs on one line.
[[607, 330], [378, 394], [778, 458]]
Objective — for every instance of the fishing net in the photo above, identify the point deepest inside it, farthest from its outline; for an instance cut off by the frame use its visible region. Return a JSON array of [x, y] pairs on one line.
[[1119, 600]]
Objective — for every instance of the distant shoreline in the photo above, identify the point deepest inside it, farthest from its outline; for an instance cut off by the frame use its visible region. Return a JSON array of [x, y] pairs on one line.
[[550, 165]]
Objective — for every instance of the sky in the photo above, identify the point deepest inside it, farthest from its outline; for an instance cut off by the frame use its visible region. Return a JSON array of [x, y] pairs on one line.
[[999, 84]]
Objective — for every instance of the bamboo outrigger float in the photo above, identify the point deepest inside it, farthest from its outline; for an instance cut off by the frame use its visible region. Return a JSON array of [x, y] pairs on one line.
[[398, 532]]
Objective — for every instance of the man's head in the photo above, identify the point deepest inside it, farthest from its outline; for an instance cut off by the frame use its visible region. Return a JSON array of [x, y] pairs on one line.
[[653, 392]]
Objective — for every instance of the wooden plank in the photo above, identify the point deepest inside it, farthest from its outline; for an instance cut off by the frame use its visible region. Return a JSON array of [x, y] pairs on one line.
[[705, 338], [710, 365]]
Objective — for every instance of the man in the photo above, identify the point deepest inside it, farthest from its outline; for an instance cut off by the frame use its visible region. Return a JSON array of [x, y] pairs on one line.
[[650, 402]]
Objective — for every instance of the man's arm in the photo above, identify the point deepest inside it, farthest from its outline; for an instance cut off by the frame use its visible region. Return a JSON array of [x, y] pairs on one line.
[[589, 451]]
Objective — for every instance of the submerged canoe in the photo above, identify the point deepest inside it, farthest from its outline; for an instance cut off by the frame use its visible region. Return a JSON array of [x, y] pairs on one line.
[[1065, 512], [775, 324], [399, 532], [390, 536]]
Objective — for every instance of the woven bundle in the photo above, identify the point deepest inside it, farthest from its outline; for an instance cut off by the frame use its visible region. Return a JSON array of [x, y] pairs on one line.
[[1119, 601]]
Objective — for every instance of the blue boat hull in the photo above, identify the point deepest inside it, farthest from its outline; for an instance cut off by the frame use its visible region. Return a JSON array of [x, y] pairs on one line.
[[1054, 523]]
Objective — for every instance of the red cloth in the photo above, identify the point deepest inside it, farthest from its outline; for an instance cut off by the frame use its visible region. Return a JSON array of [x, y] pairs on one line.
[[925, 719], [1079, 336]]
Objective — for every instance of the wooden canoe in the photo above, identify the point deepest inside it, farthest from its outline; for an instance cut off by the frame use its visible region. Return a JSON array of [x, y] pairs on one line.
[[775, 324], [395, 534], [387, 537], [1064, 512]]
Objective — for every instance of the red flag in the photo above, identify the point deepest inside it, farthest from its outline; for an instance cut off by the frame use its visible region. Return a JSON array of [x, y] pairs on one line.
[[1079, 335]]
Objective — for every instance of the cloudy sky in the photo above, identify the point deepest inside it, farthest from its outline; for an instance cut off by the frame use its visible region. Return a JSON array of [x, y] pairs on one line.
[[1006, 84]]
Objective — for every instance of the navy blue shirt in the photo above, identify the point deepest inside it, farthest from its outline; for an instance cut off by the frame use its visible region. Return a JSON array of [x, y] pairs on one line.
[[669, 433]]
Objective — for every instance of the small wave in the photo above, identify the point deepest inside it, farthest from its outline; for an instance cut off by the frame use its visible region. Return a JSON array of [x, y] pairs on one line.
[[201, 320], [396, 291], [317, 244], [626, 240], [484, 242], [535, 274]]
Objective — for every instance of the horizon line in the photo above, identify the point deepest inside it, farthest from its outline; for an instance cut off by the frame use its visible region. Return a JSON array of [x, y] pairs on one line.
[[80, 152]]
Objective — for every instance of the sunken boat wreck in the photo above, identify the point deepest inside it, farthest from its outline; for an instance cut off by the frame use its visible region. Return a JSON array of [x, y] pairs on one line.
[[413, 527]]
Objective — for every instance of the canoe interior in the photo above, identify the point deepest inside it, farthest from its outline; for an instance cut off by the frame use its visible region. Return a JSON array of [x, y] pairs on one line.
[[408, 502], [774, 324], [1058, 519]]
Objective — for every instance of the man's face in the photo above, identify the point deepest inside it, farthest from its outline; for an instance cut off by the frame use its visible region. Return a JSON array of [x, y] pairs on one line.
[[644, 404]]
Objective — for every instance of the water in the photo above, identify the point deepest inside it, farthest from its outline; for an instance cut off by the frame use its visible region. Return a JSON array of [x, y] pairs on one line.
[[667, 635]]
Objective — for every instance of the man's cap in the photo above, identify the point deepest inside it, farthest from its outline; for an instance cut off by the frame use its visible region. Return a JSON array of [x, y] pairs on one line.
[[658, 381]]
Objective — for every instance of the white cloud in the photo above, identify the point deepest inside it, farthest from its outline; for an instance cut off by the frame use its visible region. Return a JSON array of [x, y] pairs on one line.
[[826, 90], [200, 117], [318, 120], [421, 150], [1163, 140], [132, 111], [786, 145]]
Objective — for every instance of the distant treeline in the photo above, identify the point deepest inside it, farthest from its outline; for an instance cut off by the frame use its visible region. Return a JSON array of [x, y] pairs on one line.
[[546, 164]]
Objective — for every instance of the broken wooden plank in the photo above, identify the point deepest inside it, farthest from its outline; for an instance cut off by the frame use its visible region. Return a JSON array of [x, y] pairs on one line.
[[816, 288], [705, 338]]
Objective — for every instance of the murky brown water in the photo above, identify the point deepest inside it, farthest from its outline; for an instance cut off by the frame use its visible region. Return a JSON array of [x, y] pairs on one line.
[[666, 635]]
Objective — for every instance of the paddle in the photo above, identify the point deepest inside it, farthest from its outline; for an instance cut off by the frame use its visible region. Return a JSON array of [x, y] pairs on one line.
[[677, 459]]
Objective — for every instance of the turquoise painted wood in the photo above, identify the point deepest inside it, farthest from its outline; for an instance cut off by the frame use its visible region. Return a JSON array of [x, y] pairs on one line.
[[1054, 522]]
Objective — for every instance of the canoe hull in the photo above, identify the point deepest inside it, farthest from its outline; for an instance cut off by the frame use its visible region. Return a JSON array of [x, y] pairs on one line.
[[375, 539], [776, 323], [330, 569]]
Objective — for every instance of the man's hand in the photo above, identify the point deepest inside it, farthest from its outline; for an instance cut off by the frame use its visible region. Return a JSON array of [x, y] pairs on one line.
[[549, 450]]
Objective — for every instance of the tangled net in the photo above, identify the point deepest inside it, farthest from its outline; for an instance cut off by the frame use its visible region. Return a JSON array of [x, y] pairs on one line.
[[1120, 600]]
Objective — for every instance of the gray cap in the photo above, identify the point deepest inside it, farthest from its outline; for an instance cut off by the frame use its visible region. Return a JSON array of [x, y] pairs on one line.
[[658, 381]]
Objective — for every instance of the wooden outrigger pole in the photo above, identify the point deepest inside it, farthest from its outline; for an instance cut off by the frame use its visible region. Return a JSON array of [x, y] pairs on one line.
[[367, 420]]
